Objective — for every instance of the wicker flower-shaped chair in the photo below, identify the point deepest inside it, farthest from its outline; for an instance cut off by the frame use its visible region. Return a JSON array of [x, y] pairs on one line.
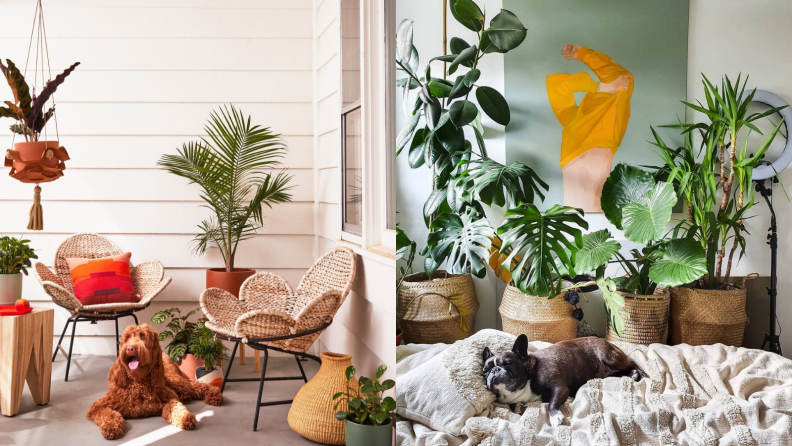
[[147, 280], [270, 315]]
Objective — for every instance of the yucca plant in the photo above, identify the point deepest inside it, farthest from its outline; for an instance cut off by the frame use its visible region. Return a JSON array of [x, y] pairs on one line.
[[229, 166]]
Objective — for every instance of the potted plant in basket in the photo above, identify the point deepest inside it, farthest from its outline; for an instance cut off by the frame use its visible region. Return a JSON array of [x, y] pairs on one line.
[[405, 255], [465, 179], [15, 255], [368, 414], [206, 347], [181, 331], [715, 179], [229, 167]]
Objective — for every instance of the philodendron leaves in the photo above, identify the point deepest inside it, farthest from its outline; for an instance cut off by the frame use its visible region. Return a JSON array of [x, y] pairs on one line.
[[614, 304], [683, 261], [540, 238], [497, 185], [598, 249], [625, 184], [461, 241], [643, 223]]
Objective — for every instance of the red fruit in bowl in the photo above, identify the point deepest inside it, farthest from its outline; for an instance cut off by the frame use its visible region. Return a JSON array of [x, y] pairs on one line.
[[22, 305]]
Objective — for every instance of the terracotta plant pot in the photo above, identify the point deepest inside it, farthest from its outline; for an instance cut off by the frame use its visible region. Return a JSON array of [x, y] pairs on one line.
[[705, 317], [362, 435], [231, 282], [189, 364], [311, 414], [539, 318], [399, 336], [10, 287], [36, 162]]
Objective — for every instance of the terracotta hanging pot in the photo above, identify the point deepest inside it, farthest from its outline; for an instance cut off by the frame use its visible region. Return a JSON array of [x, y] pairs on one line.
[[228, 281], [37, 161]]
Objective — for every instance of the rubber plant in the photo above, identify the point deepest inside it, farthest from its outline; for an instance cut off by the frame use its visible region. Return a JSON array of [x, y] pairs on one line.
[[637, 203], [464, 179], [229, 167], [715, 178]]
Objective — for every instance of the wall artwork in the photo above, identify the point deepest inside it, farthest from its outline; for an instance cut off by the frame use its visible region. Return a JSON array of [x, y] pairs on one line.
[[587, 84]]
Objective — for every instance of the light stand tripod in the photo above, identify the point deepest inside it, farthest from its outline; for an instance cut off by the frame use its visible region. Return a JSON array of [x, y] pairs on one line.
[[771, 339]]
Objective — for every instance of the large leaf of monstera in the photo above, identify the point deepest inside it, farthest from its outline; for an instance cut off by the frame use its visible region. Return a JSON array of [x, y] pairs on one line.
[[494, 184], [541, 238], [644, 222], [625, 184], [461, 241], [683, 261], [598, 249]]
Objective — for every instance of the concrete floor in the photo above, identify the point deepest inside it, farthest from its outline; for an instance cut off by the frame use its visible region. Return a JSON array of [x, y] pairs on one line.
[[62, 422]]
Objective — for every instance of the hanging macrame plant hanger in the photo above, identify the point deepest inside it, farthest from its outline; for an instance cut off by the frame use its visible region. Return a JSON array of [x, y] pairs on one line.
[[36, 160]]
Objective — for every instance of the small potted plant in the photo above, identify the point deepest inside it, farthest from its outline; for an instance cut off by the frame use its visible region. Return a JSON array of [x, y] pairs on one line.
[[15, 255], [368, 414], [230, 168], [206, 347], [181, 331]]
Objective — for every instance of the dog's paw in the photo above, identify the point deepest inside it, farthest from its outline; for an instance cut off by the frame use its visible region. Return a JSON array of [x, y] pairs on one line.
[[636, 375], [214, 398], [113, 430], [188, 422], [556, 419]]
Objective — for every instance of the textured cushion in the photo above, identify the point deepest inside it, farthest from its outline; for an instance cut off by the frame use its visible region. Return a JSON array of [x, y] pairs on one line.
[[102, 281]]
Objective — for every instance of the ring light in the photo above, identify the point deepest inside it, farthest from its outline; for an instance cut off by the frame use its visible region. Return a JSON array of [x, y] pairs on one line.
[[764, 172]]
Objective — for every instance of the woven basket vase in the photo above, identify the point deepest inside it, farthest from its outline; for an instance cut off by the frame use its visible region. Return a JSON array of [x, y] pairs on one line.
[[427, 319], [648, 318], [311, 414], [704, 317], [539, 318]]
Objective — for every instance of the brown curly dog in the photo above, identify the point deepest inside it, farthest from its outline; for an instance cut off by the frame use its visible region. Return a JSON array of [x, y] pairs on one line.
[[145, 382]]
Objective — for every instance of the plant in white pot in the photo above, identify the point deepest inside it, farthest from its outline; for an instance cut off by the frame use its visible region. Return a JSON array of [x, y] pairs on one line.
[[230, 166], [206, 347], [15, 255], [368, 415]]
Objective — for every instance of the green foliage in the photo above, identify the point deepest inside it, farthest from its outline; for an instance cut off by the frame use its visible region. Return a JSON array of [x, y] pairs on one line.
[[405, 255], [229, 167], [598, 249], [625, 184], [643, 223], [542, 240], [15, 255], [179, 329], [366, 405], [464, 179], [205, 346]]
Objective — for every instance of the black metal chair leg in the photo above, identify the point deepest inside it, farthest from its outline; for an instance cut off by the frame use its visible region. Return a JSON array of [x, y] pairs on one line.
[[65, 327], [305, 378], [71, 345], [136, 321], [261, 388], [230, 363], [118, 341]]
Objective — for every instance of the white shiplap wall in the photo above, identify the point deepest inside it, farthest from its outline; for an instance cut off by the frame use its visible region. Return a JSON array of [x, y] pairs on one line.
[[150, 73], [365, 324]]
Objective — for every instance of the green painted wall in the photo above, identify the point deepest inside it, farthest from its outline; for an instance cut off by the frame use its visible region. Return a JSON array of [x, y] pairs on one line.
[[647, 37]]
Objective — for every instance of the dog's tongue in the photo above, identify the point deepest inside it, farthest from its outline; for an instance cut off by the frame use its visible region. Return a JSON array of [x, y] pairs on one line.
[[133, 364]]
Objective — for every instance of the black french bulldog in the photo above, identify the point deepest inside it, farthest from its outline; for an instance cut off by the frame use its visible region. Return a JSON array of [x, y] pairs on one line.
[[554, 373]]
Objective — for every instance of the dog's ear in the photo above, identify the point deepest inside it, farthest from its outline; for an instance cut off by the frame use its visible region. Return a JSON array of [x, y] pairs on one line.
[[152, 338], [487, 354], [117, 376], [521, 346], [157, 368]]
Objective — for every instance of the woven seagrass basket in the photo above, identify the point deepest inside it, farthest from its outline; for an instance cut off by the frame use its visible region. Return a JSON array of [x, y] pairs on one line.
[[428, 316], [648, 318], [539, 318], [311, 414], [704, 317]]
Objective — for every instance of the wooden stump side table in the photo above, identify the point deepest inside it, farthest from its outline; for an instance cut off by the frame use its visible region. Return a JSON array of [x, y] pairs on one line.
[[25, 355]]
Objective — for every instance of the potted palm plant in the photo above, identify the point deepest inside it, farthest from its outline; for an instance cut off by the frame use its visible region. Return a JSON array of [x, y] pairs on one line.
[[15, 255], [229, 167], [368, 416], [465, 179], [715, 179]]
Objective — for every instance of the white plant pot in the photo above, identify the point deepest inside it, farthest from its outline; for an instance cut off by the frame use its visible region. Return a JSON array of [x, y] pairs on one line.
[[10, 287]]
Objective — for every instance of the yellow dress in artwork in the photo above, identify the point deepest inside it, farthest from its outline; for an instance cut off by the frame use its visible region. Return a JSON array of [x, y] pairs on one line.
[[600, 119]]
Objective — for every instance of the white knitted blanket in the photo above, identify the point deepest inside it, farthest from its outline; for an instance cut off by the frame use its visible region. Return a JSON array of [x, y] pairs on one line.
[[705, 395]]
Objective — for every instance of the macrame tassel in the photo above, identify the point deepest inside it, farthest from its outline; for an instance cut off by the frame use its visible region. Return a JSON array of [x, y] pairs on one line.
[[36, 222]]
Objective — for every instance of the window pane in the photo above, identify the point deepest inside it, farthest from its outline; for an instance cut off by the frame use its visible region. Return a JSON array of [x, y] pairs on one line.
[[353, 174], [350, 52]]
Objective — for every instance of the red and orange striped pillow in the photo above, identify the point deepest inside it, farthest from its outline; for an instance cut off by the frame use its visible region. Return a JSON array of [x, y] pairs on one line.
[[102, 281]]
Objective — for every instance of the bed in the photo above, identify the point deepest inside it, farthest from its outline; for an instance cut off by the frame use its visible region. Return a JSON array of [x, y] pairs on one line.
[[703, 395]]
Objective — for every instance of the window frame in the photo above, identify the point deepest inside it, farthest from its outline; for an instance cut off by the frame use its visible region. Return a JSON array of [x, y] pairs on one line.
[[350, 228]]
